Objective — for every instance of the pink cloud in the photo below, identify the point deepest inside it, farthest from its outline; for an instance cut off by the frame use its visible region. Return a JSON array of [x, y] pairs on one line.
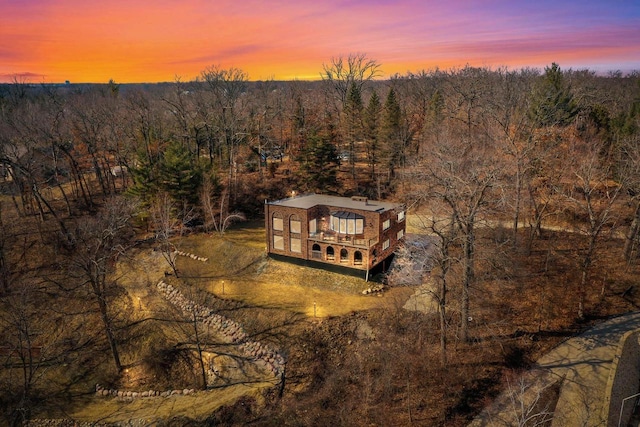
[[92, 40]]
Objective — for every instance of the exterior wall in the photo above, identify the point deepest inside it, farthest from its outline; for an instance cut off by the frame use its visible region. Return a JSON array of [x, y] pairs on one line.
[[286, 213], [378, 253], [368, 245]]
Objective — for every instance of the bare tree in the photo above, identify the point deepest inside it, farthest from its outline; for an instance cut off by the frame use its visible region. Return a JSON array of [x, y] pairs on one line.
[[509, 112], [461, 177], [631, 165], [429, 259], [100, 240], [593, 196], [29, 335], [165, 224], [530, 403], [355, 70], [225, 88], [218, 216]]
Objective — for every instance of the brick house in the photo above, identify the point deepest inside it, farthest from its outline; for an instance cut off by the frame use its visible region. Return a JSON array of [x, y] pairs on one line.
[[348, 232]]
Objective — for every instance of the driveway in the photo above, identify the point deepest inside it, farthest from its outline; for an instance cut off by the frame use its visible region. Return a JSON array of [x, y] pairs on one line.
[[576, 371]]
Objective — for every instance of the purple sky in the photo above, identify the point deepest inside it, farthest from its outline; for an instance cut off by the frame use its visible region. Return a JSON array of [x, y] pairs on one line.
[[144, 40]]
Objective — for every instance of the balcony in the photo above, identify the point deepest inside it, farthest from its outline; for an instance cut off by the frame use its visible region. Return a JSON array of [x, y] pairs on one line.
[[343, 239]]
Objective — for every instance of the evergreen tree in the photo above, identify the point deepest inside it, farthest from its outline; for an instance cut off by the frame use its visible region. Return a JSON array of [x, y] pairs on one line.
[[176, 172], [372, 131], [319, 165], [353, 124], [391, 133], [179, 174], [553, 102], [145, 178]]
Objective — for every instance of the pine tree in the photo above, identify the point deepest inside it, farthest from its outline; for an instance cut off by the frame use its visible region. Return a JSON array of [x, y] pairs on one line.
[[319, 165], [353, 124], [391, 133], [372, 131], [553, 102], [179, 174]]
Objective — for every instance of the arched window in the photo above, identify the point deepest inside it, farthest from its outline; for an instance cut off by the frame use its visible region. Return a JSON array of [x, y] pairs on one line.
[[331, 254], [294, 224], [357, 258], [316, 251], [344, 255]]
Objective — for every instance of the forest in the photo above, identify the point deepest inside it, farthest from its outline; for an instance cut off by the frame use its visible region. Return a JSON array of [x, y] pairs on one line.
[[527, 181]]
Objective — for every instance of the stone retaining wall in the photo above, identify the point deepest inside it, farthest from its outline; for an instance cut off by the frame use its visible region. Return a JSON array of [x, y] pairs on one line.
[[231, 331], [624, 380], [227, 328], [192, 256], [130, 395]]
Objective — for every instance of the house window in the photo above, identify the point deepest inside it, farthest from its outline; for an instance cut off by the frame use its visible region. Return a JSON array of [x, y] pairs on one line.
[[343, 225], [316, 252], [277, 222], [313, 227], [331, 254], [386, 224], [401, 216], [294, 224], [278, 242], [335, 223], [357, 258], [347, 223], [295, 245], [344, 255], [400, 234], [385, 245]]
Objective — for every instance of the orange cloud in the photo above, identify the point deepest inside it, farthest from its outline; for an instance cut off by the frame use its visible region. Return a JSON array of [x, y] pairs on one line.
[[136, 41]]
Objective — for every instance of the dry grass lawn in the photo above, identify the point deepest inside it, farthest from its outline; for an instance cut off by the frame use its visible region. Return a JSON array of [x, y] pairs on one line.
[[237, 269], [238, 264]]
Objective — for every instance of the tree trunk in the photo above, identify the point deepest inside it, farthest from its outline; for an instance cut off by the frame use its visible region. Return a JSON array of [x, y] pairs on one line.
[[203, 371], [108, 329], [443, 320], [632, 233], [586, 264], [516, 213], [467, 279]]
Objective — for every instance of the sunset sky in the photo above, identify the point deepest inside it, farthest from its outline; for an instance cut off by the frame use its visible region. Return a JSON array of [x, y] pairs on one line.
[[150, 41]]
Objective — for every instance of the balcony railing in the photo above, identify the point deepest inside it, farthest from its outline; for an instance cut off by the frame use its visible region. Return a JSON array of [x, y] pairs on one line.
[[343, 240]]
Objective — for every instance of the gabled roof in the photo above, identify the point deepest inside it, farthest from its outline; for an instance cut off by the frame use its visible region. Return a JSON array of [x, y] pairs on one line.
[[310, 200]]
